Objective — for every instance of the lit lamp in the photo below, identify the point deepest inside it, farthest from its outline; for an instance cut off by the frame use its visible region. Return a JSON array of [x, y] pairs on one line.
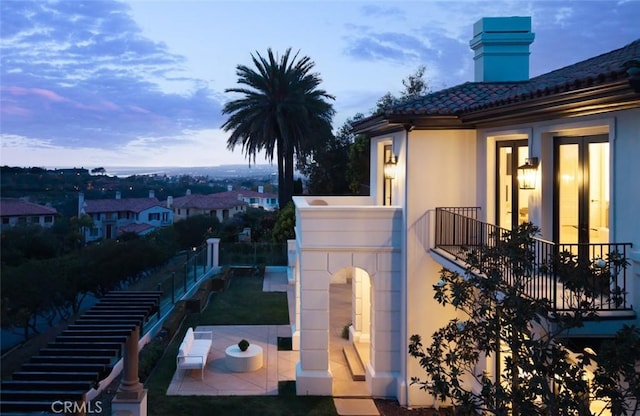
[[528, 173], [390, 167]]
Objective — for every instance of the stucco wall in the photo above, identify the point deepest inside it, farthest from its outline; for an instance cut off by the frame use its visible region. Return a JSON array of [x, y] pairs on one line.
[[442, 173]]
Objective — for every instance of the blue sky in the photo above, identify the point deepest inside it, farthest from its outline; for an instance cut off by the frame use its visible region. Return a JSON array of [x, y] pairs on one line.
[[141, 82]]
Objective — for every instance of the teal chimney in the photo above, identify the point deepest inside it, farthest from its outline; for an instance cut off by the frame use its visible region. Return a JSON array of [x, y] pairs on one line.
[[501, 46]]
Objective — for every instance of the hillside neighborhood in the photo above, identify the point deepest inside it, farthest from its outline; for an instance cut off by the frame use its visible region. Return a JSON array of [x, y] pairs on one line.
[[491, 267]]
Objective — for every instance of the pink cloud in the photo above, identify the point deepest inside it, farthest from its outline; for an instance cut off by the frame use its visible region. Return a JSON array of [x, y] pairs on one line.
[[40, 92], [102, 105], [137, 109], [14, 110], [48, 94], [15, 90]]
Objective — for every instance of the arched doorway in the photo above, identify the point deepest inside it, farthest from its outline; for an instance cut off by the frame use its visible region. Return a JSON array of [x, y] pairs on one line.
[[350, 294], [317, 272]]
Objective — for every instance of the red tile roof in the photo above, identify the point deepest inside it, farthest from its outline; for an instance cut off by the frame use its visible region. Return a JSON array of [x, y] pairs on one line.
[[135, 228], [119, 205], [13, 207], [471, 96], [248, 193], [219, 200]]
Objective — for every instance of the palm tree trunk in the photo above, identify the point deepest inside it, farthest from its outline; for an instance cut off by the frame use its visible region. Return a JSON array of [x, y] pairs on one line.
[[281, 161], [288, 176]]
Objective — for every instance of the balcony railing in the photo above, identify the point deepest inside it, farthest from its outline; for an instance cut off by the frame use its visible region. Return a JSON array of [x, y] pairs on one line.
[[459, 232]]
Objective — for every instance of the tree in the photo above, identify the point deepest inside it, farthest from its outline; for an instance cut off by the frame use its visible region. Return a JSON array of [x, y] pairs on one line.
[[359, 160], [325, 166], [281, 111], [415, 86], [537, 374], [284, 228]]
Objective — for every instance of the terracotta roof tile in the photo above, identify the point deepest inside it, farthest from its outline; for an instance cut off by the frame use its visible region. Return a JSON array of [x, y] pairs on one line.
[[219, 200], [135, 228], [119, 205], [602, 69], [13, 207]]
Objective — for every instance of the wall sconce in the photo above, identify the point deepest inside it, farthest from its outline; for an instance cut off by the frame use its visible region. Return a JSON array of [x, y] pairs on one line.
[[527, 173], [390, 167]]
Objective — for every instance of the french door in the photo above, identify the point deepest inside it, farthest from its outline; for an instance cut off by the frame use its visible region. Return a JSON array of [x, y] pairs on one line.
[[511, 201], [581, 195]]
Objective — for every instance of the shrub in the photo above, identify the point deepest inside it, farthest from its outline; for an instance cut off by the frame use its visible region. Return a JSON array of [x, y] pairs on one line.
[[173, 321], [149, 357]]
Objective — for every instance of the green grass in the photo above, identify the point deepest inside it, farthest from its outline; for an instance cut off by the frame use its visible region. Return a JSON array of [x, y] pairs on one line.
[[243, 303]]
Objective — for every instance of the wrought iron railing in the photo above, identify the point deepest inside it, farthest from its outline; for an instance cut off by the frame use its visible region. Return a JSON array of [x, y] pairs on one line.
[[601, 268]]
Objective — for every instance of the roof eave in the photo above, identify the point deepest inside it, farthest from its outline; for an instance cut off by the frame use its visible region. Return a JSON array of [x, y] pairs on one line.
[[386, 124], [366, 125], [593, 100]]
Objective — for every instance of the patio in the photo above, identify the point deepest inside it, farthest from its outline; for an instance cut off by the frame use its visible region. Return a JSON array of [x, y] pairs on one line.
[[278, 365]]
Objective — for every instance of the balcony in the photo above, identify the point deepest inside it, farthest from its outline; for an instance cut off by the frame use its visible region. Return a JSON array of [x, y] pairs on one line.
[[458, 232]]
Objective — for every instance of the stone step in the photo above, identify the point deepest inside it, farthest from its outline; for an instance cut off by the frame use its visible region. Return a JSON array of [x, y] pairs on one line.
[[354, 363]]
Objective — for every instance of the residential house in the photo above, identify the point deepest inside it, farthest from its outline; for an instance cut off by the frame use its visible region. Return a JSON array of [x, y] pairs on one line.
[[113, 217], [448, 160], [14, 211], [221, 205], [259, 199]]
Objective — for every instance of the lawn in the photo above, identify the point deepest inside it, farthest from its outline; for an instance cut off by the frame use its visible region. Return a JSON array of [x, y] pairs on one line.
[[243, 303]]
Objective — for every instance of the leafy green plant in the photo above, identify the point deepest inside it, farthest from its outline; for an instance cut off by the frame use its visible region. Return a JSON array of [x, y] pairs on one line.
[[345, 331], [537, 374]]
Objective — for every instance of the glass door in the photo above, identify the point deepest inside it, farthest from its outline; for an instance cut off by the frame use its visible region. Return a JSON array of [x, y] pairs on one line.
[[582, 190], [511, 201]]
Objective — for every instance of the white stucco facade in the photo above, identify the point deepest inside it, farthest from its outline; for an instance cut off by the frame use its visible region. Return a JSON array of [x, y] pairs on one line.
[[455, 160], [393, 244]]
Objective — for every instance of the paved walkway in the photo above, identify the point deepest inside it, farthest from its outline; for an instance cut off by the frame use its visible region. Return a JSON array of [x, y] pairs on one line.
[[351, 397]]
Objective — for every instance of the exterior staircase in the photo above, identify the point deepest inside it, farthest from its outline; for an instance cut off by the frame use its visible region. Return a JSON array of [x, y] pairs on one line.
[[356, 355], [79, 358]]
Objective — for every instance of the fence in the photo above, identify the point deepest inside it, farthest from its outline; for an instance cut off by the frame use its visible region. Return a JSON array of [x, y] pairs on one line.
[[253, 254]]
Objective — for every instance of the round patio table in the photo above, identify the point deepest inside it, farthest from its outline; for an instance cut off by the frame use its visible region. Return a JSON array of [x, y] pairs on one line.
[[243, 361]]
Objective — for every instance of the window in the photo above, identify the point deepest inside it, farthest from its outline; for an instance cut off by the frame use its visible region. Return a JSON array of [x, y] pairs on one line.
[[154, 216], [48, 219]]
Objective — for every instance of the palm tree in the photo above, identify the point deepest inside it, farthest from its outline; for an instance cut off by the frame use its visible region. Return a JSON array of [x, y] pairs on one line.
[[281, 110]]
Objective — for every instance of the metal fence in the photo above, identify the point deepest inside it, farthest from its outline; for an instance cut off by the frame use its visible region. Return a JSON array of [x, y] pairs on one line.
[[253, 254]]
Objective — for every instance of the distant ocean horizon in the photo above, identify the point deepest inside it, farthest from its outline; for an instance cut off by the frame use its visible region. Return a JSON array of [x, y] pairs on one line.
[[222, 171]]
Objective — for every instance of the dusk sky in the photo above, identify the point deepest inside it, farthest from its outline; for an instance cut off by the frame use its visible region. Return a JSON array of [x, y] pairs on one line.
[[141, 83]]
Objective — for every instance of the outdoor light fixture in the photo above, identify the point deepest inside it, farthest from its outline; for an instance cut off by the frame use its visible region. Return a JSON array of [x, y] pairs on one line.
[[528, 173], [390, 167]]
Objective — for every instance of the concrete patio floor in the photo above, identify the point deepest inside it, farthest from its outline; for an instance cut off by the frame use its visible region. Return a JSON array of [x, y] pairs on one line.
[[352, 398]]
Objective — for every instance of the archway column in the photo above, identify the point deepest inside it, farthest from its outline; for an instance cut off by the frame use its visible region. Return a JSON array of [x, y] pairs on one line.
[[313, 375]]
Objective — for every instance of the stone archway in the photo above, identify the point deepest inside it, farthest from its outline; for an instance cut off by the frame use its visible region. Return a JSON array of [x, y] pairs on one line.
[[374, 277], [349, 331]]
